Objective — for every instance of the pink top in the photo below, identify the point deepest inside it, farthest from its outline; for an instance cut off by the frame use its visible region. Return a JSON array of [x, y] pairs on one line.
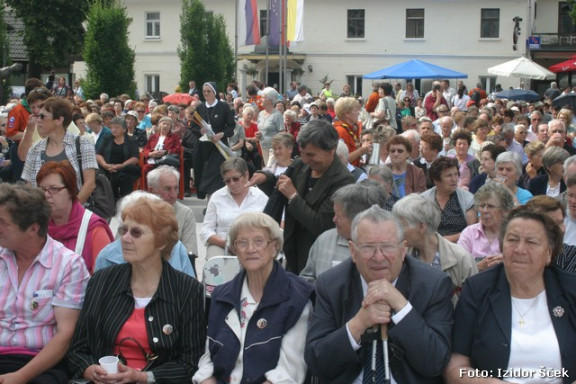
[[134, 327], [475, 241], [56, 278]]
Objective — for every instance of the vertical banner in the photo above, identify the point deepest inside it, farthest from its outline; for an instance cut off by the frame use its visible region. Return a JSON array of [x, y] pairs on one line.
[[295, 20], [248, 23], [275, 23]]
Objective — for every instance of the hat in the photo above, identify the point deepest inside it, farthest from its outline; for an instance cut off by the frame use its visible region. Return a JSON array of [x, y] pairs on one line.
[[515, 109], [133, 114], [212, 85]]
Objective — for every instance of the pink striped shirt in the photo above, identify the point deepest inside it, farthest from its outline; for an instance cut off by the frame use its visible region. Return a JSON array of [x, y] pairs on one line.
[[57, 277]]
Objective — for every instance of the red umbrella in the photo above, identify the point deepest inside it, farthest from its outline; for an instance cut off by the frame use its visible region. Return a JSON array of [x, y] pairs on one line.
[[178, 98], [565, 66]]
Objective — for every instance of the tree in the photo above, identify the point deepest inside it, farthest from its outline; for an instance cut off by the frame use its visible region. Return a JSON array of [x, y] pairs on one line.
[[109, 59], [572, 5], [205, 53], [53, 31], [4, 55]]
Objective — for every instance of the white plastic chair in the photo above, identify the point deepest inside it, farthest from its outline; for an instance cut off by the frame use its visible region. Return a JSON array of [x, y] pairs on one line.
[[218, 270]]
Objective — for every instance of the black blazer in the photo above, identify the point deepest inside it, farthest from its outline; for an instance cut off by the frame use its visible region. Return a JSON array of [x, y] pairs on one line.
[[419, 345], [482, 322], [539, 184], [108, 304]]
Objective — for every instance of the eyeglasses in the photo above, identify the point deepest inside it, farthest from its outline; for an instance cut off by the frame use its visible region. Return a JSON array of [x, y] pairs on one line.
[[257, 244], [370, 249], [52, 190], [522, 133], [141, 111], [135, 233], [442, 111], [487, 206], [42, 116], [232, 179], [394, 150]]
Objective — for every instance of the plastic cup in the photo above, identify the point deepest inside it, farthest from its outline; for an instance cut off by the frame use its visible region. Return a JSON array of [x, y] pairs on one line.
[[109, 363]]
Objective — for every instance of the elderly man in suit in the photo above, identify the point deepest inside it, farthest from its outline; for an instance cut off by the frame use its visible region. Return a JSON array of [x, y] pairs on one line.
[[380, 287]]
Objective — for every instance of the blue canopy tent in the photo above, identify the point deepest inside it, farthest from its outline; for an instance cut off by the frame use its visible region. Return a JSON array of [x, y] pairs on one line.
[[415, 69]]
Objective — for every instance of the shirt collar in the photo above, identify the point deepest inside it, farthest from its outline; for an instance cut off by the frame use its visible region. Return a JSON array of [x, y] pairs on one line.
[[211, 105]]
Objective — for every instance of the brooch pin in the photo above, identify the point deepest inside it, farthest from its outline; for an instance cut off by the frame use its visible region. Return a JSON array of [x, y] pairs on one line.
[[262, 323], [558, 311], [33, 304], [167, 329], [215, 116]]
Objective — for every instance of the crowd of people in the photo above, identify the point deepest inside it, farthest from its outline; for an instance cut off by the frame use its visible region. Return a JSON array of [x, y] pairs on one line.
[[428, 237]]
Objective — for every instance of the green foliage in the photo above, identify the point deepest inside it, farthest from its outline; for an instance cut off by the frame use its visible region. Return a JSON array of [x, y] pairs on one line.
[[572, 4], [325, 80], [4, 55], [109, 59], [53, 30], [205, 53]]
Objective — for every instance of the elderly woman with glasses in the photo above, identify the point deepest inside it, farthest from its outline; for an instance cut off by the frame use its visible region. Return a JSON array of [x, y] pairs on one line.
[[58, 181], [258, 321], [420, 218], [408, 178], [143, 311], [493, 201], [227, 203]]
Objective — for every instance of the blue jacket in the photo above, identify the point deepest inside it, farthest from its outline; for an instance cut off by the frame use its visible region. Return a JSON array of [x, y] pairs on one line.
[[285, 297]]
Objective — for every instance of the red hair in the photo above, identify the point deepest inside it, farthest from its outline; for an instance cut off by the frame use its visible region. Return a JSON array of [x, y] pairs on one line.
[[66, 172]]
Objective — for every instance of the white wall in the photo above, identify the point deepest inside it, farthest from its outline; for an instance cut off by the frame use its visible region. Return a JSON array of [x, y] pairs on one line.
[[451, 39]]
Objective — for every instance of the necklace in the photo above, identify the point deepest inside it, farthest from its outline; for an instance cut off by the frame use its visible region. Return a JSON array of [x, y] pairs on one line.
[[521, 321]]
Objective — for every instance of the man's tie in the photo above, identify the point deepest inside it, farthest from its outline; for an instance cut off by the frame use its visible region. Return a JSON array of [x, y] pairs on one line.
[[373, 358]]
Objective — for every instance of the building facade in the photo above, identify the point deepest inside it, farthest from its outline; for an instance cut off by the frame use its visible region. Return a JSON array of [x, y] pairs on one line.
[[344, 40]]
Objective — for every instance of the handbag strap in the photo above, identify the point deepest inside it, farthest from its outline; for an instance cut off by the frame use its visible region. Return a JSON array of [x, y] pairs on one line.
[[79, 159], [148, 357], [82, 232]]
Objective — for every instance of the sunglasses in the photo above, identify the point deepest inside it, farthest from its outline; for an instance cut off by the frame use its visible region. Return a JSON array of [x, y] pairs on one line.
[[232, 179], [43, 116], [135, 233]]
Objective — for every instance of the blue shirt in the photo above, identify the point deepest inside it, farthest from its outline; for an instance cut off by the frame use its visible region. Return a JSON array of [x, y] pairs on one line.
[[112, 255]]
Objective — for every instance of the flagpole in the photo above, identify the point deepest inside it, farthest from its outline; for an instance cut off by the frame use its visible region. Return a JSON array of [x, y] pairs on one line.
[[281, 48], [267, 40], [236, 40], [284, 58]]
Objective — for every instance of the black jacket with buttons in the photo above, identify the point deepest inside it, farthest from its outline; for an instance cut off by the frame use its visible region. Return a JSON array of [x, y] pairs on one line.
[[178, 302]]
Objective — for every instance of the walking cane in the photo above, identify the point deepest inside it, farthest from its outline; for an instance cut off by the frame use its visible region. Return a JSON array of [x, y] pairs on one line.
[[384, 336]]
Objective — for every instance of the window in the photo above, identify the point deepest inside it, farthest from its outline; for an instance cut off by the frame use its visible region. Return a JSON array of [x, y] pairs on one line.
[[263, 22], [355, 83], [490, 23], [489, 82], [152, 83], [152, 25], [415, 23], [355, 23], [565, 24]]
